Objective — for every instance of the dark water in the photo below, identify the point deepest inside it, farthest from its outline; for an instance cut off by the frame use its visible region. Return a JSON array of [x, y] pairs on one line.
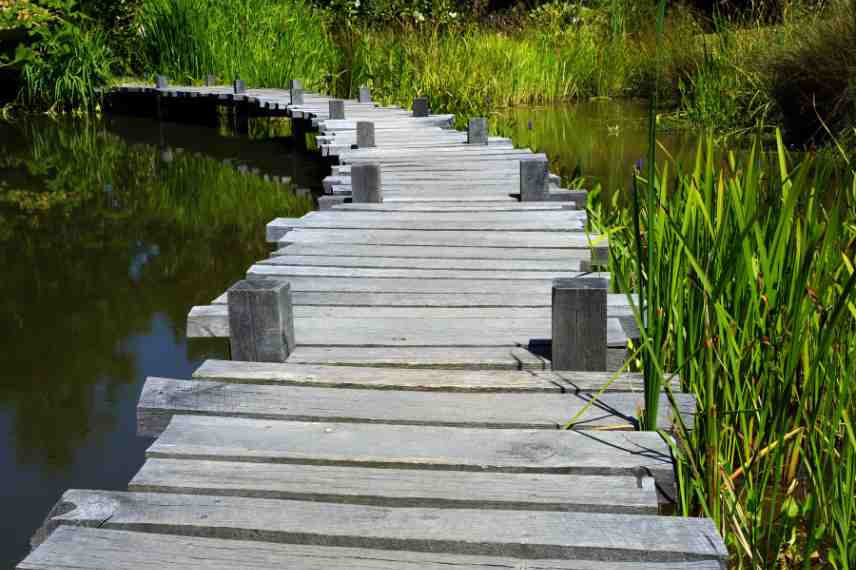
[[111, 230]]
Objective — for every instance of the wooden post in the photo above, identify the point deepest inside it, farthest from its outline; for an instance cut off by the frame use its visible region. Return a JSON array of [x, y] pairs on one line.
[[533, 179], [327, 202], [365, 95], [420, 107], [240, 86], [477, 131], [162, 82], [365, 134], [295, 84], [365, 183], [261, 320], [210, 80], [337, 109], [579, 324], [297, 96]]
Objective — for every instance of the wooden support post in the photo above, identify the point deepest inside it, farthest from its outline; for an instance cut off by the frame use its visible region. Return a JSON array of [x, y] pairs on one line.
[[477, 131], [261, 320], [365, 183], [337, 109], [240, 86], [162, 82], [420, 107], [242, 117], [579, 324], [365, 95], [295, 84], [533, 179], [297, 96], [327, 202], [210, 80], [365, 134]]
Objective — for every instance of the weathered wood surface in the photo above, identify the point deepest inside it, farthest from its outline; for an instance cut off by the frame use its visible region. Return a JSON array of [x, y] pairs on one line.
[[509, 254], [81, 548], [288, 373], [278, 268], [423, 263], [444, 238], [400, 487], [524, 534], [163, 398]]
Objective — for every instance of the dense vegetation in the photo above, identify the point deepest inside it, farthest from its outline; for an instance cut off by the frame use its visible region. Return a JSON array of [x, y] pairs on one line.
[[787, 63]]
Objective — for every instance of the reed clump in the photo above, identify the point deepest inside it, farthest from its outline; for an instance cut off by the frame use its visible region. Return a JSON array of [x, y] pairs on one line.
[[745, 270]]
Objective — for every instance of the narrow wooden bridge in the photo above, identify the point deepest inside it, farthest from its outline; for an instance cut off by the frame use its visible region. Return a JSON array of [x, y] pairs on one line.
[[393, 400]]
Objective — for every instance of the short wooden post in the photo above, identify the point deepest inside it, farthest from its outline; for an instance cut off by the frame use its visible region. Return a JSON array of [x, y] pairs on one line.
[[210, 80], [240, 86], [579, 323], [365, 95], [297, 96], [477, 131], [365, 183], [261, 320], [162, 82], [365, 134], [295, 84], [420, 107], [533, 179], [337, 109]]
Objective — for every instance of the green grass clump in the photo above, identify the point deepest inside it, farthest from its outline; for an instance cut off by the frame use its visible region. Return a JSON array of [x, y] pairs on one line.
[[265, 43], [746, 268]]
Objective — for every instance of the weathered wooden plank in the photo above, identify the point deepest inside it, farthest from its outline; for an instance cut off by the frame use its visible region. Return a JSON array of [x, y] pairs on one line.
[[163, 398], [423, 263], [400, 487], [441, 207], [416, 379], [510, 254], [80, 548], [489, 216], [525, 534], [560, 240], [464, 358], [278, 269]]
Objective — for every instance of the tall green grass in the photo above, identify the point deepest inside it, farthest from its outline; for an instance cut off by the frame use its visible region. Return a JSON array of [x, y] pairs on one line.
[[265, 43], [748, 272]]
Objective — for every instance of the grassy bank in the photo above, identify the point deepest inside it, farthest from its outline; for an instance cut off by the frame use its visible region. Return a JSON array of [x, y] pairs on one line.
[[728, 73]]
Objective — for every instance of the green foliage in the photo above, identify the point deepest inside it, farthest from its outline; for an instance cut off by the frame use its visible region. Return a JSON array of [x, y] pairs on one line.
[[749, 272], [265, 43]]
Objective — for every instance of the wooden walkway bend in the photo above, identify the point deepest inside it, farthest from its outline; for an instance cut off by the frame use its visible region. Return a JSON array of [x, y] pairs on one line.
[[411, 417]]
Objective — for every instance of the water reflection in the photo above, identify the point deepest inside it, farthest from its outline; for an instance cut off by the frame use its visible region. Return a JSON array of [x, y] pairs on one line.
[[104, 246]]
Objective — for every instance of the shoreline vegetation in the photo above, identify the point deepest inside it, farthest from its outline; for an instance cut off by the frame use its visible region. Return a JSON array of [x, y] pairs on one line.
[[767, 63], [745, 260]]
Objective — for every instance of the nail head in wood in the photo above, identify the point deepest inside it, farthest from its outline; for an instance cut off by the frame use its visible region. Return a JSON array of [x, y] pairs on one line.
[[477, 131], [365, 134], [420, 107], [365, 183], [337, 109], [579, 324], [533, 179], [365, 95], [261, 320]]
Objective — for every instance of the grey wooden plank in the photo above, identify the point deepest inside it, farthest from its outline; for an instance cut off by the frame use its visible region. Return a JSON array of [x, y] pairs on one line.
[[400, 487], [423, 263], [489, 216], [504, 206], [526, 534], [81, 548], [560, 240], [363, 250], [163, 398], [278, 269], [418, 379]]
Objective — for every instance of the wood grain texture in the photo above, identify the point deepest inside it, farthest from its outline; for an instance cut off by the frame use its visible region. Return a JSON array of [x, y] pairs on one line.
[[80, 548], [526, 534]]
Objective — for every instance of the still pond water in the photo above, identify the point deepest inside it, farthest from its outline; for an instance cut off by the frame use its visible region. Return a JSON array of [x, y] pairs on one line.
[[111, 230]]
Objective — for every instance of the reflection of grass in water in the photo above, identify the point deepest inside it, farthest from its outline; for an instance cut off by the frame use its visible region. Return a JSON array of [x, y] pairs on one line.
[[129, 237]]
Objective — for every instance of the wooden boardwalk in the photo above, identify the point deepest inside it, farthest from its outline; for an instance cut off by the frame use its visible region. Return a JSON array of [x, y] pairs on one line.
[[416, 421]]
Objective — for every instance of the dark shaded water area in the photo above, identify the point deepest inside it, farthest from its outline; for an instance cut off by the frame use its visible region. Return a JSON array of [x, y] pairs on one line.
[[111, 229]]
